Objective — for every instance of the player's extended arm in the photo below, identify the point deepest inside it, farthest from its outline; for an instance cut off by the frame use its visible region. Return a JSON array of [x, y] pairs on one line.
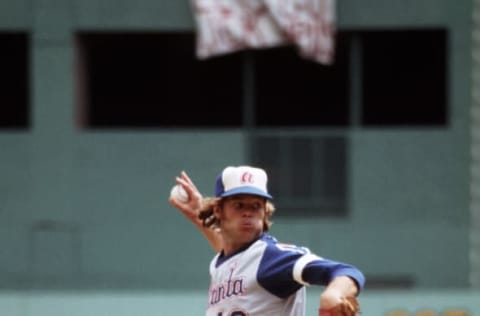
[[191, 208]]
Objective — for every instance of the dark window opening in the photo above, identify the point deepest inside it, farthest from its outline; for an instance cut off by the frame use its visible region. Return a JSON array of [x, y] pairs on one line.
[[155, 80], [307, 174], [405, 78], [294, 91], [390, 282], [14, 80]]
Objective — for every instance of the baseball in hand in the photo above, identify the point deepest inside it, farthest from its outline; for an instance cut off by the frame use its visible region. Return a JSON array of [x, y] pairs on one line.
[[179, 193]]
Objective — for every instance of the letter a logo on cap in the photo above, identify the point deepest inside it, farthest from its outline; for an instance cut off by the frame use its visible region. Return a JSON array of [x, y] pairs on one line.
[[242, 180], [247, 177]]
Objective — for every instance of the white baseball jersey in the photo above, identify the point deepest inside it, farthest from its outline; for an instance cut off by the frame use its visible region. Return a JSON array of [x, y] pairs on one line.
[[267, 278]]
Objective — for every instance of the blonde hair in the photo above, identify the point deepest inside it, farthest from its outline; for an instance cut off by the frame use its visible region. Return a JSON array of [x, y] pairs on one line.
[[207, 216]]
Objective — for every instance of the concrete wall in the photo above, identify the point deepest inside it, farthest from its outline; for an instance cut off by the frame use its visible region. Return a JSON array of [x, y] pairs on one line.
[[390, 303], [475, 170]]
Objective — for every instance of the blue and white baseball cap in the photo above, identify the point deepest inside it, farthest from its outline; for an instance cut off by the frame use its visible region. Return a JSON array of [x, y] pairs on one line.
[[242, 180]]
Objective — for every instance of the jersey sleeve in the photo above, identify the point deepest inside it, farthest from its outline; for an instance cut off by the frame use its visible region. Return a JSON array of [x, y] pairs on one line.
[[322, 271], [276, 270], [286, 268]]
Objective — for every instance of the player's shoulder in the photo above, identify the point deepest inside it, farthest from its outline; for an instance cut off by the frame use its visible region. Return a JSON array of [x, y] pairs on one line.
[[273, 245]]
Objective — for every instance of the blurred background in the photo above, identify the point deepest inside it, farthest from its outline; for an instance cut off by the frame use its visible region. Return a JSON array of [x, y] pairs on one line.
[[373, 160]]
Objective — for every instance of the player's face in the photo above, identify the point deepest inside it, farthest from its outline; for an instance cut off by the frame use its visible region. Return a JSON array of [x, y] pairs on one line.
[[241, 218]]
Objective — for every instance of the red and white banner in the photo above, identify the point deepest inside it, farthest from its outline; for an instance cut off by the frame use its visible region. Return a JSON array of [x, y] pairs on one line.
[[226, 26]]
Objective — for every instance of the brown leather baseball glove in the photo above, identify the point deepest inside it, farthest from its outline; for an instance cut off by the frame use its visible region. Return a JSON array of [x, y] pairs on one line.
[[348, 307]]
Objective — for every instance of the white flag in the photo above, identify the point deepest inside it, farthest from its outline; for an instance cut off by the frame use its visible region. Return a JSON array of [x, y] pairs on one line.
[[226, 26]]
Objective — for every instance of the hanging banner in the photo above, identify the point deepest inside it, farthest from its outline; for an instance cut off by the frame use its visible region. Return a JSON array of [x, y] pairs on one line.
[[227, 26]]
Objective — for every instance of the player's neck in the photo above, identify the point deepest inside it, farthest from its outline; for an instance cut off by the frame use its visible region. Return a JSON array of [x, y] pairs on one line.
[[232, 246], [230, 249]]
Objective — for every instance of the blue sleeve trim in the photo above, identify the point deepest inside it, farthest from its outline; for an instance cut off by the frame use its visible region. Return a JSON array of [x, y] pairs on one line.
[[275, 273]]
